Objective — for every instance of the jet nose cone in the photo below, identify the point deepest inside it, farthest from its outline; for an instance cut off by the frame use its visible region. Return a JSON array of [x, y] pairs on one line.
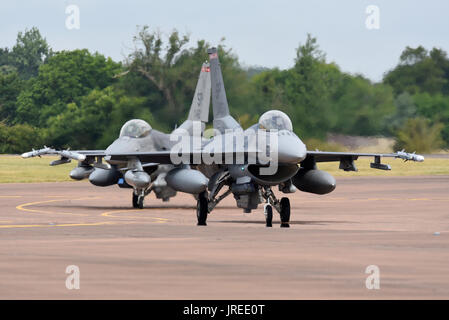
[[290, 148]]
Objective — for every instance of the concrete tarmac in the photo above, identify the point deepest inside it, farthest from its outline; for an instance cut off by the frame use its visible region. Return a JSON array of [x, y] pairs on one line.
[[399, 224]]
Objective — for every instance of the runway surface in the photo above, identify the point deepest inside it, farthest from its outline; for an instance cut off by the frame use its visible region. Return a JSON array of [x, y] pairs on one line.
[[399, 224]]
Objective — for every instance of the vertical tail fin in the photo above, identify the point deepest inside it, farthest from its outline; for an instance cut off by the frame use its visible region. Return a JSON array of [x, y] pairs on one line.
[[199, 109], [222, 119]]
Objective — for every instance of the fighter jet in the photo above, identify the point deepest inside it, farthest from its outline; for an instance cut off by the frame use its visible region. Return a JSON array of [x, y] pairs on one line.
[[137, 135], [249, 166]]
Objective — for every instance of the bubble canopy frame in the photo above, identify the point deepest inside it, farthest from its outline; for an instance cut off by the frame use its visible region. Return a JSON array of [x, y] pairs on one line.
[[135, 128], [275, 120]]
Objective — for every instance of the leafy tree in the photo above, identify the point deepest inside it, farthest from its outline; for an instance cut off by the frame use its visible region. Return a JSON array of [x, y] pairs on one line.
[[436, 109], [154, 61], [419, 135], [29, 52], [320, 98], [6, 61], [172, 70], [10, 87], [19, 138], [405, 109], [65, 78], [420, 71], [360, 107], [96, 121]]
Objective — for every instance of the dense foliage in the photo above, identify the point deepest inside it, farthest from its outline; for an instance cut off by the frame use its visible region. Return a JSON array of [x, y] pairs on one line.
[[80, 99]]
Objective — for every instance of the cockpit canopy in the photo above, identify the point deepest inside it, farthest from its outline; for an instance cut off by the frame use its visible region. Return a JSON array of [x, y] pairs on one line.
[[275, 120], [135, 128]]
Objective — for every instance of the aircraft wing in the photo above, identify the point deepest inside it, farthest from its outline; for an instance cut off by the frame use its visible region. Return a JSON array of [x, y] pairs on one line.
[[161, 157], [346, 159], [66, 155]]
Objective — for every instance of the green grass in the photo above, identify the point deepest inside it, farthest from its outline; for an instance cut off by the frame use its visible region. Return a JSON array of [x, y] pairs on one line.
[[16, 169], [430, 166]]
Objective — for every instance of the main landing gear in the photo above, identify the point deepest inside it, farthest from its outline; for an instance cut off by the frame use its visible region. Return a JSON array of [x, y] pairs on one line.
[[283, 207], [202, 209], [206, 203], [138, 197], [268, 211]]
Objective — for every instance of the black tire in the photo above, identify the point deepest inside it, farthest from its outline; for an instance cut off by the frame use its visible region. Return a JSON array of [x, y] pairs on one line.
[[202, 209], [268, 215], [285, 212], [140, 202], [135, 198]]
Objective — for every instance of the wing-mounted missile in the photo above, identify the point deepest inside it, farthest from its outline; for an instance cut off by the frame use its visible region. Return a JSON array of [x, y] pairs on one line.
[[66, 155], [400, 154], [36, 153], [71, 155], [409, 156]]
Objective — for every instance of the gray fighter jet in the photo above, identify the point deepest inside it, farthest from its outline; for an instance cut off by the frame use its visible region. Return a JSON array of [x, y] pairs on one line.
[[137, 136], [245, 167]]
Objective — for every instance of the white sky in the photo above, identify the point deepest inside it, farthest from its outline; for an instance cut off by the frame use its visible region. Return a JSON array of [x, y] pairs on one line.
[[260, 32]]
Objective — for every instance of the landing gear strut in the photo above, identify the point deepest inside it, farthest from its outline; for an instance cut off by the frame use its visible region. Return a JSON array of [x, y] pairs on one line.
[[202, 209]]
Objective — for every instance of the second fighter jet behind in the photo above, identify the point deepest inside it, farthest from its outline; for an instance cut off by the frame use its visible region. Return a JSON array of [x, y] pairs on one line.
[[137, 135]]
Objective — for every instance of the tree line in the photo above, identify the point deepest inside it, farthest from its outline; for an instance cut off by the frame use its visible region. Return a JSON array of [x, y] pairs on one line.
[[80, 99]]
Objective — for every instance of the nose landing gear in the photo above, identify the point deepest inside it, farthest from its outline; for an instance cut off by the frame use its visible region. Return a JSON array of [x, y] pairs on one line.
[[283, 207]]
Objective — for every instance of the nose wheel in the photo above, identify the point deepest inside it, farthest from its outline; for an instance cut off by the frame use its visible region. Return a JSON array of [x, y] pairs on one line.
[[268, 211], [283, 207], [202, 209]]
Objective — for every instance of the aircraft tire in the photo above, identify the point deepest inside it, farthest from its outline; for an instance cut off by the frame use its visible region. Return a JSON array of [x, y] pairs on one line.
[[285, 212], [202, 209], [135, 198], [268, 211], [140, 202]]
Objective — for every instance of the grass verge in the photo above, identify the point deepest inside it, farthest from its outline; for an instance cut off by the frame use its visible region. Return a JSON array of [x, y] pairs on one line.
[[15, 169]]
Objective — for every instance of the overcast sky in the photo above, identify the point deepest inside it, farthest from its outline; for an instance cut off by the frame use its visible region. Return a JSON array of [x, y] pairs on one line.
[[261, 32]]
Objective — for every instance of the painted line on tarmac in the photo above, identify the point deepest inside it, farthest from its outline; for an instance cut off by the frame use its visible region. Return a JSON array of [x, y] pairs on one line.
[[22, 207], [109, 214], [60, 225]]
